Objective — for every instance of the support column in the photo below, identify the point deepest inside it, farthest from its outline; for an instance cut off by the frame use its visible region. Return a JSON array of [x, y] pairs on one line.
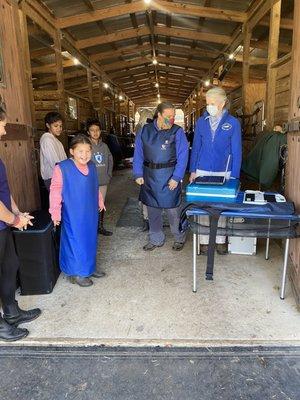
[[246, 62], [90, 85], [272, 56], [60, 79], [293, 164], [101, 98]]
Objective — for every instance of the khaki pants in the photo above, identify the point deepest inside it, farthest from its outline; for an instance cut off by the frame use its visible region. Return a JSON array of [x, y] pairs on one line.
[[103, 191]]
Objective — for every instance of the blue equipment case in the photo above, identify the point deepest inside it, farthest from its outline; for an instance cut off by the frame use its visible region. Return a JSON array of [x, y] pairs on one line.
[[213, 193]]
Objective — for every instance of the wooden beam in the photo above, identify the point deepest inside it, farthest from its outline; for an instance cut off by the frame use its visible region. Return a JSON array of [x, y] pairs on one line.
[[90, 84], [198, 11], [101, 14], [263, 7], [281, 61], [124, 51], [41, 52], [246, 64], [60, 77], [285, 23], [159, 5], [294, 112], [34, 11], [27, 63], [161, 59], [101, 97], [158, 30], [112, 37], [51, 68], [192, 74], [192, 35], [272, 57]]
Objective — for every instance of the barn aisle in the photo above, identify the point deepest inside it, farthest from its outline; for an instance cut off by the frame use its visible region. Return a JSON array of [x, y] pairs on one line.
[[147, 298]]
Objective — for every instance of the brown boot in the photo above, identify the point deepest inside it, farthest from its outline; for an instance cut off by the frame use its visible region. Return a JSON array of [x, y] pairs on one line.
[[204, 249], [222, 249]]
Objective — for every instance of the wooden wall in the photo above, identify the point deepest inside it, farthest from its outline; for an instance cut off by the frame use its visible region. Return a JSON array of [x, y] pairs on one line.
[[17, 148], [48, 100], [282, 95], [293, 193]]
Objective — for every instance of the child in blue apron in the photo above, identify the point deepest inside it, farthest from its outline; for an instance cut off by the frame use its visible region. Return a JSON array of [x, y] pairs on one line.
[[74, 202]]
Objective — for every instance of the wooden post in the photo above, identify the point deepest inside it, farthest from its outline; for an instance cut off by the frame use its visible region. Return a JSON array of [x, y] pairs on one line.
[[60, 79], [101, 99], [293, 163], [272, 56], [199, 101], [90, 85], [246, 63], [27, 63]]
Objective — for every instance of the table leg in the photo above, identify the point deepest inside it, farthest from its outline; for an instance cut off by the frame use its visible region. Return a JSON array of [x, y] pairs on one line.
[[268, 242], [285, 264], [198, 238], [194, 262], [267, 248]]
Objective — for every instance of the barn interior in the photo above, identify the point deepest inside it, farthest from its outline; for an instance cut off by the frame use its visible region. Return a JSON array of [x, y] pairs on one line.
[[111, 59]]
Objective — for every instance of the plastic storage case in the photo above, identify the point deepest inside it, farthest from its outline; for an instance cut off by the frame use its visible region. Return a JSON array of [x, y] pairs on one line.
[[242, 245], [38, 252]]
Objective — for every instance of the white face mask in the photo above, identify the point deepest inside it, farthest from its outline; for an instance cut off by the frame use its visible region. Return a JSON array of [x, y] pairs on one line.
[[212, 110]]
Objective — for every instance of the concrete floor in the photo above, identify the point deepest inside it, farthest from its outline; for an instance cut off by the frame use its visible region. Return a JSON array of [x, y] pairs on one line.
[[147, 298]]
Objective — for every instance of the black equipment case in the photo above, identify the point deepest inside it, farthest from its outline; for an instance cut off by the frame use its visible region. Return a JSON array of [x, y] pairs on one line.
[[38, 252]]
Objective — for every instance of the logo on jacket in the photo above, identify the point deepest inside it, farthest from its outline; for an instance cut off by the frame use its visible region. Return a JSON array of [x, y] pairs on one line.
[[164, 146], [99, 158], [226, 126]]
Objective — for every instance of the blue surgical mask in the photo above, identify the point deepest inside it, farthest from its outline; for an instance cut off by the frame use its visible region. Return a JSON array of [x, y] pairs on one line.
[[212, 110]]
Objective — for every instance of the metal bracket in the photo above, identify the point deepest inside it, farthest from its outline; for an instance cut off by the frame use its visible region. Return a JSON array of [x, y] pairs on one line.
[[291, 126]]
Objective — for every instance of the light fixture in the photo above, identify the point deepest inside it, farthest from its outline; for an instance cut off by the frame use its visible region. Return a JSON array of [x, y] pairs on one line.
[[76, 61], [231, 56], [158, 96], [147, 1], [207, 82], [105, 85], [120, 97], [156, 85], [154, 62]]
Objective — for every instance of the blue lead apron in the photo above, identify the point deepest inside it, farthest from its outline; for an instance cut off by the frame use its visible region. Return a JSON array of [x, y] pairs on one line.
[[159, 148], [78, 246]]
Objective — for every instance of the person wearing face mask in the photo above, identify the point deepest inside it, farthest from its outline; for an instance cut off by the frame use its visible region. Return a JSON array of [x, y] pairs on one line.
[[217, 136], [159, 164]]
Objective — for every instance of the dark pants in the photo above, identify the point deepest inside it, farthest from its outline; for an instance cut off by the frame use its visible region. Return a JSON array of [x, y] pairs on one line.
[[9, 264], [156, 234], [47, 183]]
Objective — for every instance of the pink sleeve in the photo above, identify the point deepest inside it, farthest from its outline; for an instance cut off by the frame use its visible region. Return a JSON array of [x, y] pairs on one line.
[[101, 202], [55, 197]]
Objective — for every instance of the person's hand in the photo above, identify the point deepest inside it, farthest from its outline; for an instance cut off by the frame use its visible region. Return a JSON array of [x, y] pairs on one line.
[[24, 220], [140, 181], [192, 177], [102, 207], [56, 222], [172, 184]]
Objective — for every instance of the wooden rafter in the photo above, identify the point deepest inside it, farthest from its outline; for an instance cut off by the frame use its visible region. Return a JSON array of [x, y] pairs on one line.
[[159, 5]]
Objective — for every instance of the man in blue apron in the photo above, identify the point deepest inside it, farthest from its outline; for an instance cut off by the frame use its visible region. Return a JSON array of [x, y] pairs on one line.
[[159, 164]]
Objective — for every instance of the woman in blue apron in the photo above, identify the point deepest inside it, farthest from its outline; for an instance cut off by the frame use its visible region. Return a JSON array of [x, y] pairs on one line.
[[217, 136], [159, 164], [75, 200]]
